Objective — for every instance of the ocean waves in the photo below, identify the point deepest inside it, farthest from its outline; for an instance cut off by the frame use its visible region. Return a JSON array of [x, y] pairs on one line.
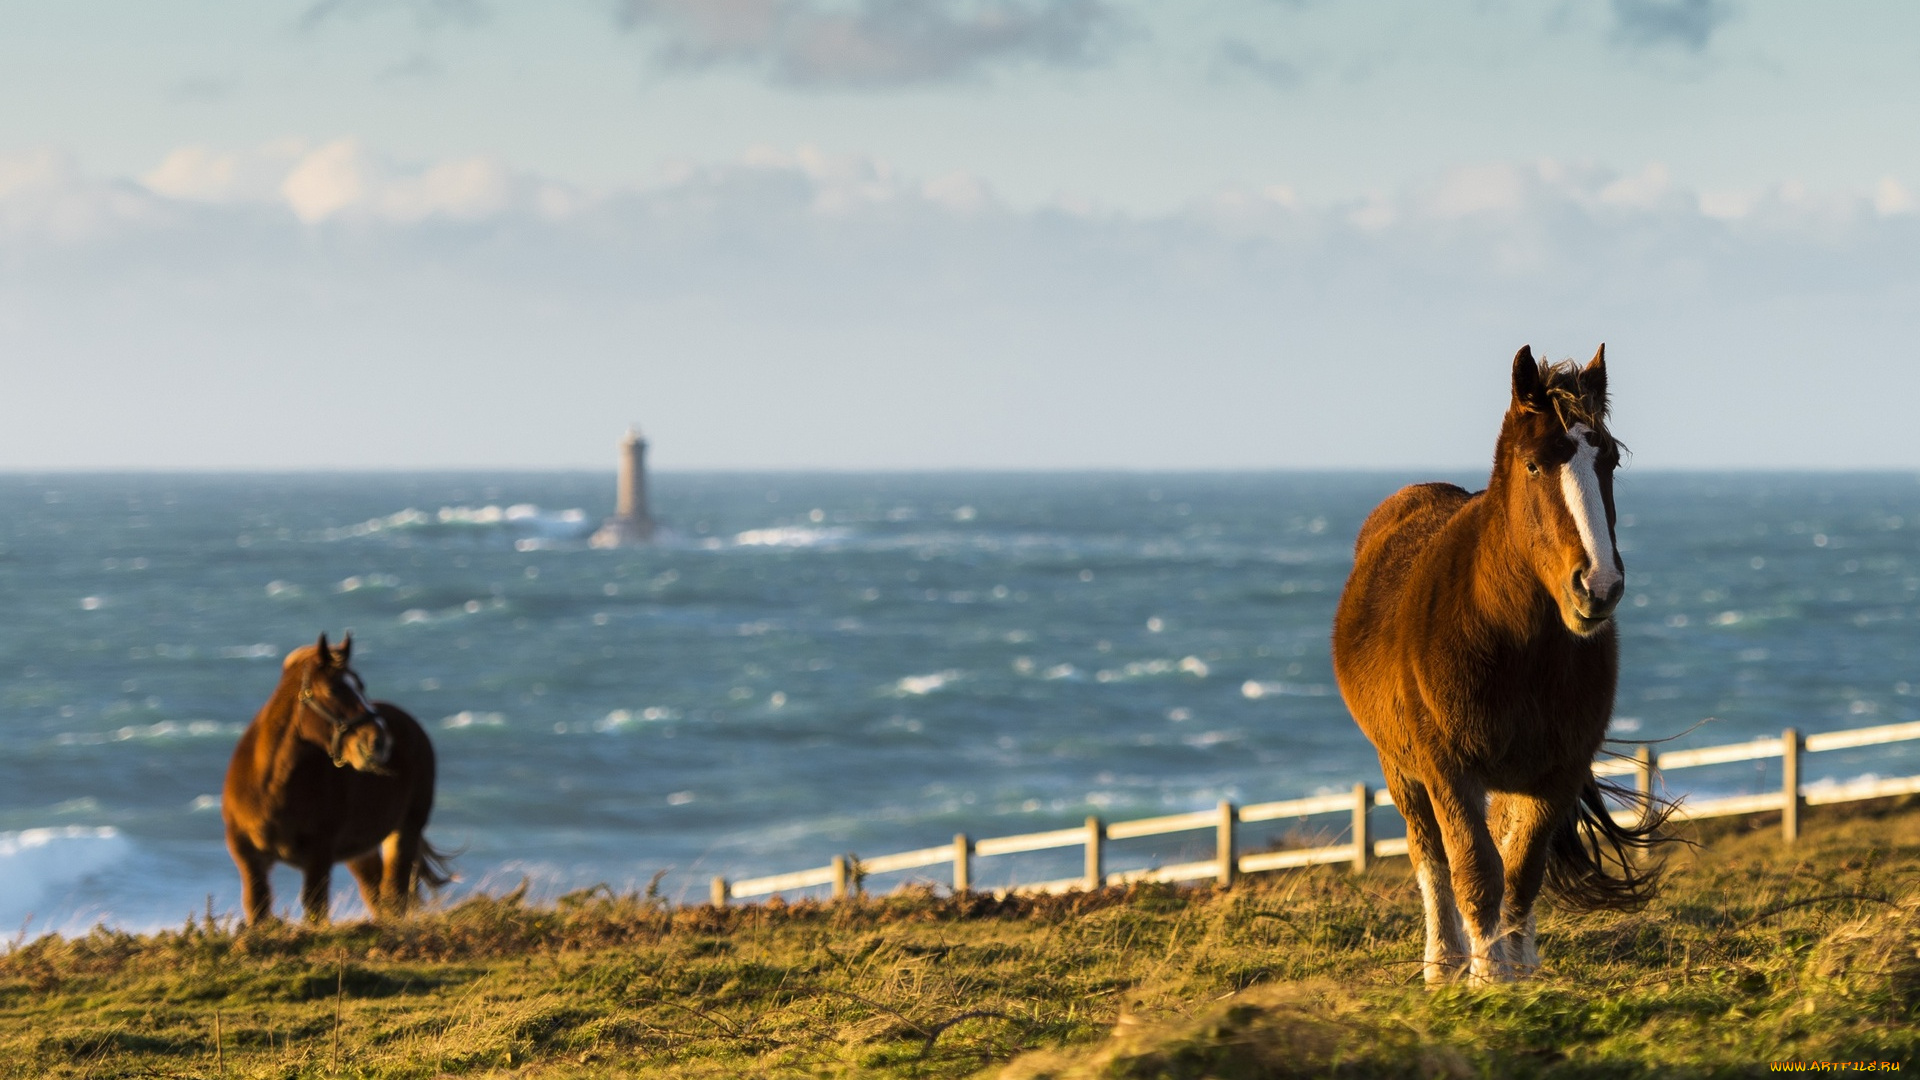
[[521, 520], [817, 664]]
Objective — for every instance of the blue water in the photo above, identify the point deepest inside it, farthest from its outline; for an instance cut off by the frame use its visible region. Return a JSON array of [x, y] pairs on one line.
[[816, 664]]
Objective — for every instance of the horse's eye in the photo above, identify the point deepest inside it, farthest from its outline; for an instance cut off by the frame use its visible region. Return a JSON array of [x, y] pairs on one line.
[[1533, 468]]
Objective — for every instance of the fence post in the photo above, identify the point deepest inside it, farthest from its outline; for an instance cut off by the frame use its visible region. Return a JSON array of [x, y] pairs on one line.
[[962, 855], [1643, 777], [839, 877], [1224, 843], [1790, 785], [720, 892], [1096, 853], [1362, 827]]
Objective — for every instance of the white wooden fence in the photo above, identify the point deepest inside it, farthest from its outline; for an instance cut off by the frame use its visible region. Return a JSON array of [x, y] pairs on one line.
[[843, 874]]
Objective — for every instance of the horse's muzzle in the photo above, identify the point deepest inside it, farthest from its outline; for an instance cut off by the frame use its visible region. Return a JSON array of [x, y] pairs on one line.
[[364, 745], [1593, 611]]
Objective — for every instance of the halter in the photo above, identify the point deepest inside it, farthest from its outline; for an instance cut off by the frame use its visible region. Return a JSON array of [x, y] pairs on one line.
[[341, 727]]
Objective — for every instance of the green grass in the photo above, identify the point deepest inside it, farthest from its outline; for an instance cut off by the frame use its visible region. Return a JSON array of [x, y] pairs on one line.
[[1751, 954]]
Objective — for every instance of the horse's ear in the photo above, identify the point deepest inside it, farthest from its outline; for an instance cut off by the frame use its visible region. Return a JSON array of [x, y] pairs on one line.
[[325, 654], [1528, 391], [345, 651], [1593, 383]]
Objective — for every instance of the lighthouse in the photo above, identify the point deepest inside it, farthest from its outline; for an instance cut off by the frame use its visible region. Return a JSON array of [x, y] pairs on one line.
[[631, 523]]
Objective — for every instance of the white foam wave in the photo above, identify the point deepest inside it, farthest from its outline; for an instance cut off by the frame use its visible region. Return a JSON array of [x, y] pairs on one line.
[[471, 607], [165, 729], [520, 518], [922, 685], [467, 718], [790, 536], [622, 718], [1191, 665], [257, 651], [1254, 689], [39, 868], [166, 652], [1207, 739]]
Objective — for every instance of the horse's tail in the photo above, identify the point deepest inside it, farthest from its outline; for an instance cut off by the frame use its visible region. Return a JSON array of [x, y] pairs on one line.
[[434, 868], [1596, 863]]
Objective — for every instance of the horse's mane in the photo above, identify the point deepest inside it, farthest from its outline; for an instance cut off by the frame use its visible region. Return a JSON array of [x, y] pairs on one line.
[[1561, 380], [305, 654]]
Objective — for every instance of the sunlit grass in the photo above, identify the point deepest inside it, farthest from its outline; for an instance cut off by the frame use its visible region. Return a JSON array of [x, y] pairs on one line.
[[1752, 954]]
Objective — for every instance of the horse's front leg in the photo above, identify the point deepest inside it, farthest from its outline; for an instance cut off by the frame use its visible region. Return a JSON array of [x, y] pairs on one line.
[[1446, 953], [316, 887], [256, 884], [1526, 825], [1459, 808]]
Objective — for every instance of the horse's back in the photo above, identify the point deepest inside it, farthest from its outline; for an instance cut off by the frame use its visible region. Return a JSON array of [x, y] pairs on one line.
[[1390, 544], [1369, 627], [240, 792]]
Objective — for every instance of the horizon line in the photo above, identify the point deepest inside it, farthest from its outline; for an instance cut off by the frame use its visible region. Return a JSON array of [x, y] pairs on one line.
[[9, 472]]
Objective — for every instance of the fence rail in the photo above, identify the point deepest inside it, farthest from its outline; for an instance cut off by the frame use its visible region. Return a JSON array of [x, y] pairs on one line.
[[844, 873]]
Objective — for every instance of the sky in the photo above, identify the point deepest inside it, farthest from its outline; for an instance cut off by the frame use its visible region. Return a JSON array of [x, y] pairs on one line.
[[937, 234]]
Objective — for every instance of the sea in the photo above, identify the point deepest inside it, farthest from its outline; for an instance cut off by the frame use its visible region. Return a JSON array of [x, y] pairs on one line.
[[807, 665]]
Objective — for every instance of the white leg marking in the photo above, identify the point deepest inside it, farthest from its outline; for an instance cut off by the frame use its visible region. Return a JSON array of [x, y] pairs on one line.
[[1485, 966], [1445, 948], [1580, 486]]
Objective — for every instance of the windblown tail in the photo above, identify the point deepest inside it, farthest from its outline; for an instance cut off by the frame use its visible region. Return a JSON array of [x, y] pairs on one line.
[[434, 868], [1598, 864]]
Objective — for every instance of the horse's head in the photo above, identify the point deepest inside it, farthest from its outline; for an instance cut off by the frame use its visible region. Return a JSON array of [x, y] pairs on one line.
[[1554, 468], [333, 709]]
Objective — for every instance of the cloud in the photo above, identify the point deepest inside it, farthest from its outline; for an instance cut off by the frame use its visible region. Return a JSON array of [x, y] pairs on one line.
[[1686, 24], [342, 179], [1581, 208], [798, 307], [1890, 197], [870, 44], [1242, 57], [44, 196]]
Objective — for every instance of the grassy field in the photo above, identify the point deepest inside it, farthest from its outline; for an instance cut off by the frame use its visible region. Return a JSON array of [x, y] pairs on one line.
[[1753, 954]]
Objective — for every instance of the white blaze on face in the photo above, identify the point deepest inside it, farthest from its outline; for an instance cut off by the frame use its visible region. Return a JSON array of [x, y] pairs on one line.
[[1580, 486]]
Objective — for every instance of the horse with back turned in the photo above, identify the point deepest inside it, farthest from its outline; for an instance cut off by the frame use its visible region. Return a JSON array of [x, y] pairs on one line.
[[1475, 645], [323, 775]]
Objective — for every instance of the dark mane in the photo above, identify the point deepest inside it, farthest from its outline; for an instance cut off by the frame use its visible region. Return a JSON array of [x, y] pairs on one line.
[[1570, 405]]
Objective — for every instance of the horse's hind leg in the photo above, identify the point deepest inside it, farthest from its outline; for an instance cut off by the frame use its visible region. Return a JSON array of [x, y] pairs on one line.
[[401, 853], [367, 871], [1446, 954]]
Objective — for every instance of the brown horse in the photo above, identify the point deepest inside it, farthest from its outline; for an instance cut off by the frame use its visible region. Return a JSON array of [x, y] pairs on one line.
[[324, 775], [1475, 645]]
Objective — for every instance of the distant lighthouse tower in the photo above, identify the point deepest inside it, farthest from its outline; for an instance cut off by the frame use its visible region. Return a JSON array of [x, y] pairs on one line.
[[631, 523]]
